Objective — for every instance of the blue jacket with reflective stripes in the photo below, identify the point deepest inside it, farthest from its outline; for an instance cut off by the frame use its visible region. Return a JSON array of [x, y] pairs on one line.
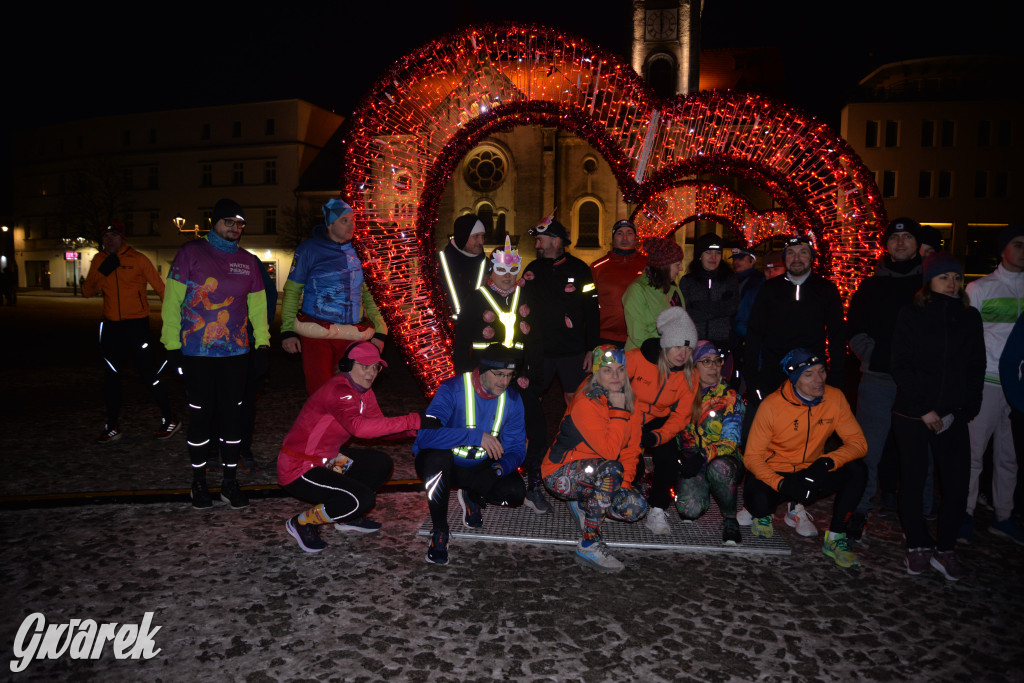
[[449, 406]]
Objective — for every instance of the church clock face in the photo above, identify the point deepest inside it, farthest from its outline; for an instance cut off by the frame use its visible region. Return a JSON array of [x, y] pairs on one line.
[[661, 24]]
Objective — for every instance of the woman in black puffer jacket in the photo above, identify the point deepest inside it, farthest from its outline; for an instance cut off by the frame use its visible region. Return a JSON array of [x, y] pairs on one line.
[[938, 362]]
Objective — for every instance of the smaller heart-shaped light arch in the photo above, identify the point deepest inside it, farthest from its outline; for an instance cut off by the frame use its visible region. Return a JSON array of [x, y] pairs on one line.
[[665, 211]]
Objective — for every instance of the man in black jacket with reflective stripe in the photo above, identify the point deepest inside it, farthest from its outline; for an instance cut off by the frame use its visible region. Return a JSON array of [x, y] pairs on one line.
[[799, 310]]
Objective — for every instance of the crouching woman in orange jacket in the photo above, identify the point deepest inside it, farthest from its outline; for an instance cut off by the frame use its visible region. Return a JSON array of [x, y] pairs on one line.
[[593, 460], [785, 454]]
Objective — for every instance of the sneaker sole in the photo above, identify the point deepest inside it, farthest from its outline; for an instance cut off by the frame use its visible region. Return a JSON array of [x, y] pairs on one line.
[[163, 436], [225, 499], [731, 543], [587, 562], [439, 564], [533, 506], [807, 533], [577, 515], [294, 533], [356, 529], [840, 563], [937, 566], [465, 513]]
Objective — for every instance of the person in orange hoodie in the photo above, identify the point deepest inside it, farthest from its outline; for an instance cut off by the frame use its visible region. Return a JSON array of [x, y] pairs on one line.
[[785, 454], [593, 460], [121, 274], [665, 384]]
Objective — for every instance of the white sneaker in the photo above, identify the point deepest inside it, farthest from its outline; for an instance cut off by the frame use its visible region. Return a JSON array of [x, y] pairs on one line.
[[800, 519], [596, 556], [657, 522], [744, 517]]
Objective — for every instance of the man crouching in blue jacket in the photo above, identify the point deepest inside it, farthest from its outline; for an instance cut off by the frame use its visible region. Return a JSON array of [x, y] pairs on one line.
[[478, 448]]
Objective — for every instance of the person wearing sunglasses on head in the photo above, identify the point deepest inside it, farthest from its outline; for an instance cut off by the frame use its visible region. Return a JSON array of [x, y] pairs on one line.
[[500, 312]]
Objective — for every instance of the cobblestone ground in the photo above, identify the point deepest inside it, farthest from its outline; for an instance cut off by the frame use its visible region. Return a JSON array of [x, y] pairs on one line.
[[235, 598]]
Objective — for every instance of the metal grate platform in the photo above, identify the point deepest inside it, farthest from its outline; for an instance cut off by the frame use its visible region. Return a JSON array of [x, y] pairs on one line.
[[523, 525]]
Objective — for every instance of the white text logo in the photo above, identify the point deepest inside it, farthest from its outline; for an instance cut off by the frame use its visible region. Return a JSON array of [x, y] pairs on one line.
[[81, 639]]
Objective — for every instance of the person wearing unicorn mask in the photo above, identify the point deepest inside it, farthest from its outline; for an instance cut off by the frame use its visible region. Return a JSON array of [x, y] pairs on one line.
[[500, 312]]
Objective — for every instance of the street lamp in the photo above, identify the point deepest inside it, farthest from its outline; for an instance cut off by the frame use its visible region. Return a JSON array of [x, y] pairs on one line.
[[179, 223]]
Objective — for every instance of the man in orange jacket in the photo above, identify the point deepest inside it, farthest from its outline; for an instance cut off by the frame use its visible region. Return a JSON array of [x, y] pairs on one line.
[[786, 459], [121, 274]]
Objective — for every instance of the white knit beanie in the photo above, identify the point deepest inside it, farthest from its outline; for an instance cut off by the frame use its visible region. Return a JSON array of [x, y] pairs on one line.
[[676, 328]]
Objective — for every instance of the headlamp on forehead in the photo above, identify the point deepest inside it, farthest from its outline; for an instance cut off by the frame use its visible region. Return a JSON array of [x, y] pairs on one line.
[[606, 355], [798, 360]]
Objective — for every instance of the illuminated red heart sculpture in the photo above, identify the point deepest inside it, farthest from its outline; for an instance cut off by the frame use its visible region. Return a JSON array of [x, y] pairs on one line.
[[410, 132]]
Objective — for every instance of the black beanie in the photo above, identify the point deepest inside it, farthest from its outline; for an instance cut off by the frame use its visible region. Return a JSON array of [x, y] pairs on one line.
[[464, 228]]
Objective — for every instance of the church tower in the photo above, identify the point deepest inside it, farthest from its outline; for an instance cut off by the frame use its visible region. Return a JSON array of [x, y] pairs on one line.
[[666, 44]]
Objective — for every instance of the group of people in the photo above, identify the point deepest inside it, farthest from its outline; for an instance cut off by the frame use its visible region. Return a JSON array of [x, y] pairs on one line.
[[677, 390]]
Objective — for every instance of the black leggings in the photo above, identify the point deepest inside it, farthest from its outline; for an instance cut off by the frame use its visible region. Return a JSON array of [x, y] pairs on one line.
[[215, 386], [440, 475], [536, 433], [952, 452], [665, 458], [348, 495], [118, 339], [847, 482]]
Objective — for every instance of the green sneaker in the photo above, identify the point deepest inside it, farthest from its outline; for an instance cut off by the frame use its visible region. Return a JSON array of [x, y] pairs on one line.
[[838, 549], [762, 526]]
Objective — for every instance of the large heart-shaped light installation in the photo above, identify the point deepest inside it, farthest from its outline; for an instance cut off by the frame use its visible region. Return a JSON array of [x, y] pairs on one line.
[[422, 117]]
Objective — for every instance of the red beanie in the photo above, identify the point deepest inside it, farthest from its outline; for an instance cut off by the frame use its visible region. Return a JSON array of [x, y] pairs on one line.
[[662, 251]]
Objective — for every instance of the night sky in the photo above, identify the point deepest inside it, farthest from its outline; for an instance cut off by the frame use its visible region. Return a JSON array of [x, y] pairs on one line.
[[75, 63]]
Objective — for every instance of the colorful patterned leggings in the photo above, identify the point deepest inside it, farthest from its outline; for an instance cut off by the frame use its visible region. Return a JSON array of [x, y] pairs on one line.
[[720, 477], [597, 485]]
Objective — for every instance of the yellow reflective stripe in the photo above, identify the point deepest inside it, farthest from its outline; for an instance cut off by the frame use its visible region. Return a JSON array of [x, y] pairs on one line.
[[480, 275], [499, 415], [589, 287], [448, 279], [507, 318], [467, 386]]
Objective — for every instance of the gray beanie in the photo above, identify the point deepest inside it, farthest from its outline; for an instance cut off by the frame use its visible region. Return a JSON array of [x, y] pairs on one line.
[[676, 328]]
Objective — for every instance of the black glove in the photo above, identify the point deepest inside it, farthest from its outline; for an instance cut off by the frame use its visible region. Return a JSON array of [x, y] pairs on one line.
[[260, 362], [175, 362], [818, 469], [429, 421], [480, 481], [649, 440], [797, 488], [110, 264], [690, 462]]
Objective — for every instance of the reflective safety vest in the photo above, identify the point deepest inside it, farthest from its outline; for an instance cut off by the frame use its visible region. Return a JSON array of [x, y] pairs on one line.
[[478, 452], [507, 318], [451, 284]]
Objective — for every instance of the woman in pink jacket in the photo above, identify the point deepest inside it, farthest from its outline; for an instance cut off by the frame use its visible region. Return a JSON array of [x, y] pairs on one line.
[[310, 466]]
